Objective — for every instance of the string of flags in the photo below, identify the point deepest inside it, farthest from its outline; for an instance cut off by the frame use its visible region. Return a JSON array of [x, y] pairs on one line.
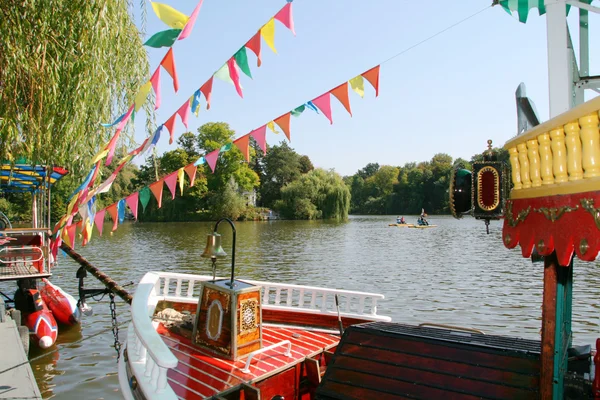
[[116, 211]]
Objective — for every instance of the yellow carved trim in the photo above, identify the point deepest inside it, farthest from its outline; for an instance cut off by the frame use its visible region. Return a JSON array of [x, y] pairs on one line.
[[553, 214], [494, 172], [512, 222], [588, 205], [572, 187]]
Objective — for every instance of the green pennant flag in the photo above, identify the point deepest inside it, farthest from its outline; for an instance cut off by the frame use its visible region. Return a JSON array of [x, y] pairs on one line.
[[226, 147], [144, 197], [163, 38], [297, 111], [241, 58]]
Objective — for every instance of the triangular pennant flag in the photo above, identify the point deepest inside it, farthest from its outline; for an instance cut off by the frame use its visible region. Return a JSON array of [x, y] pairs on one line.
[[190, 170], [190, 24], [324, 104], [268, 33], [206, 90], [111, 147], [223, 74], [163, 39], [241, 59], [260, 135], [116, 121], [200, 161], [341, 93], [243, 144], [100, 155], [358, 85], [121, 210], [144, 197], [141, 96], [171, 181], [195, 104], [132, 202], [235, 77], [168, 63], [254, 45], [184, 113], [169, 15], [155, 80], [271, 126], [226, 147], [71, 230], [285, 17], [87, 231], [157, 188], [180, 179], [170, 125], [296, 112], [211, 159], [113, 212], [312, 106], [372, 76], [284, 124], [99, 220]]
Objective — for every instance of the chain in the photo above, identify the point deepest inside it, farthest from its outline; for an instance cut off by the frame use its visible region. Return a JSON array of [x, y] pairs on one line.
[[115, 325]]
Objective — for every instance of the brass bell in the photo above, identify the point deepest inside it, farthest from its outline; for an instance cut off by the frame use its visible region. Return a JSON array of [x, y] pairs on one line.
[[213, 246]]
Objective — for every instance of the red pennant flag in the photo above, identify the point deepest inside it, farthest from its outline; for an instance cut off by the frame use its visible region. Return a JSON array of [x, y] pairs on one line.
[[184, 112], [206, 90], [168, 63], [190, 170], [132, 202], [284, 122], [324, 104], [171, 181], [372, 76], [155, 80], [234, 75], [111, 147], [157, 188], [99, 220], [170, 125], [260, 135], [243, 144], [112, 211], [71, 230], [341, 93], [211, 159], [285, 17], [254, 45]]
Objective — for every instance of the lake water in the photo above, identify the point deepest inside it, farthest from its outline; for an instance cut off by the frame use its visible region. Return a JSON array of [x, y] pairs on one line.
[[454, 274]]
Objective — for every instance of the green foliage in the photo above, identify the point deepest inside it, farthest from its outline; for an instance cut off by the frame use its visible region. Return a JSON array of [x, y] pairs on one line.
[[280, 166], [317, 194], [66, 66], [229, 202]]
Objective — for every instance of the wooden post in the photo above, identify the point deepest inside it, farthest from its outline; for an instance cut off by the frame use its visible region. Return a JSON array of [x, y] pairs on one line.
[[548, 325]]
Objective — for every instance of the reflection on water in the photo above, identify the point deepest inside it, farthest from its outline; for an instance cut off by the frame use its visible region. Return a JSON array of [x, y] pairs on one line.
[[453, 274]]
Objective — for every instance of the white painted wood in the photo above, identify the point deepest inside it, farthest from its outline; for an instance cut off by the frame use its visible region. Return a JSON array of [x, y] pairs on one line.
[[560, 83]]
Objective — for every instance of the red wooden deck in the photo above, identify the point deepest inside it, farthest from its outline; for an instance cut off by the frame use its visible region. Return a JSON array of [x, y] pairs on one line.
[[200, 374]]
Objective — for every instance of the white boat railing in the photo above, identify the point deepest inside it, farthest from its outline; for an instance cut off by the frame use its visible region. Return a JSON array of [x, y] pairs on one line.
[[149, 356]]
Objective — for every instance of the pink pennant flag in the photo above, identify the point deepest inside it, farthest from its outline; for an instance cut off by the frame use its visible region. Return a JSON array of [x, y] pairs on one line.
[[211, 159], [184, 112], [112, 211], [206, 90], [254, 45], [171, 181], [170, 125], [235, 75], [324, 104], [99, 220], [132, 202], [187, 29], [155, 80], [111, 147], [260, 135], [285, 17], [190, 170], [126, 118]]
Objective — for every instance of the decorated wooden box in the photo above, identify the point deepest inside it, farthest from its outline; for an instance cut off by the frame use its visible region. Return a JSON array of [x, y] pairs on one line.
[[229, 319]]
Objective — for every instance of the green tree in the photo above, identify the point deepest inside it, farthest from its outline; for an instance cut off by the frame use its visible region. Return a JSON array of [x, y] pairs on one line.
[[281, 165]]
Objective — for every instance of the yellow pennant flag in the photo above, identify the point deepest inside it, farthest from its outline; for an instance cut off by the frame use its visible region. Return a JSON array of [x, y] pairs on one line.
[[180, 178], [197, 109], [64, 235], [271, 126], [72, 203], [268, 33], [140, 98], [170, 16], [358, 85], [100, 155], [89, 227]]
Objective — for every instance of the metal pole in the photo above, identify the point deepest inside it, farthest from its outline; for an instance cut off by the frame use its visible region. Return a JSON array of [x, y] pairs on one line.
[[560, 82], [231, 284]]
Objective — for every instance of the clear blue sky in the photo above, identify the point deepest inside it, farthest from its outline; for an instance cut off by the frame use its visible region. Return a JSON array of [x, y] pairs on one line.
[[448, 95]]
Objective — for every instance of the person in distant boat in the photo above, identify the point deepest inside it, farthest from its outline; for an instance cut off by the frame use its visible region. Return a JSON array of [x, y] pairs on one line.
[[398, 220], [402, 221]]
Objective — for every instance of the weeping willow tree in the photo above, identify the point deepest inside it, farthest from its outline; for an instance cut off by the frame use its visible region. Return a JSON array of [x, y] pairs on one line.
[[65, 66]]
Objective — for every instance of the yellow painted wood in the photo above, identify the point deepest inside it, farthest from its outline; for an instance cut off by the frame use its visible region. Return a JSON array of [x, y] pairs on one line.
[[545, 159], [515, 168], [534, 163], [559, 155], [524, 161], [590, 145], [571, 187], [573, 143]]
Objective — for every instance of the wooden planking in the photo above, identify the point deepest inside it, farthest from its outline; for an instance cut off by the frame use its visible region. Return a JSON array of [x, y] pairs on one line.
[[299, 318], [336, 391]]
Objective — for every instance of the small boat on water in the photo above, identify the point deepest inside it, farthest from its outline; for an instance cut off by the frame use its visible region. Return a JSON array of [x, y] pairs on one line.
[[423, 226], [401, 225]]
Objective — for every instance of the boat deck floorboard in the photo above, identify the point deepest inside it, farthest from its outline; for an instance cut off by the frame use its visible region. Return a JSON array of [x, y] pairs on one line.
[[200, 374], [19, 270]]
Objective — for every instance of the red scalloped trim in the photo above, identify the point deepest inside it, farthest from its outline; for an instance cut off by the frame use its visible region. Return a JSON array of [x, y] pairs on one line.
[[564, 235]]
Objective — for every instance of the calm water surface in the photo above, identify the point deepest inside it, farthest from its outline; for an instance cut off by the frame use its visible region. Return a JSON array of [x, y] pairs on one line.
[[453, 274]]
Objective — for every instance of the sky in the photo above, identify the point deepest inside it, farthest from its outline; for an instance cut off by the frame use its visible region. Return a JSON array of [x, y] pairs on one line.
[[447, 95]]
